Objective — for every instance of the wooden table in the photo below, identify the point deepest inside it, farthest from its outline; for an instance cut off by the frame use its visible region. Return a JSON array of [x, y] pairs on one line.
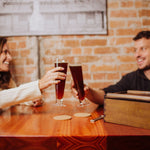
[[30, 128]]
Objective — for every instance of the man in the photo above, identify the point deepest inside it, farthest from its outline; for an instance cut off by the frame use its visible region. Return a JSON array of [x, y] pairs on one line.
[[136, 80]]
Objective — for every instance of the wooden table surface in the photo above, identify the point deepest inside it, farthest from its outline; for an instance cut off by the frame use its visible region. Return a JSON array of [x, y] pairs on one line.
[[33, 128]]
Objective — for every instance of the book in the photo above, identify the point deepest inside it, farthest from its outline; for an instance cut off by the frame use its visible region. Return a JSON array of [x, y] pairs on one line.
[[131, 108]]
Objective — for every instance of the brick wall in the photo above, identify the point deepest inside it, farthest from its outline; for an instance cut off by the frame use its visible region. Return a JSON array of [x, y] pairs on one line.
[[105, 58]]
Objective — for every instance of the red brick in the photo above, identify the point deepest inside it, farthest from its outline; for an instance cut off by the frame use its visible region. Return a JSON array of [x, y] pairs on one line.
[[76, 51], [62, 51], [55, 52], [46, 60], [138, 4], [30, 70], [134, 23], [86, 59], [20, 38], [99, 76], [80, 36], [67, 36], [48, 52], [112, 41], [108, 59], [126, 58], [48, 43], [146, 22], [22, 44], [127, 67], [129, 50], [117, 23], [94, 42], [123, 13], [95, 68], [86, 76], [22, 79], [70, 59], [12, 45], [48, 68], [29, 61], [113, 5], [106, 50], [85, 67], [125, 40], [127, 31], [145, 13], [25, 53], [18, 61], [87, 51], [18, 71], [145, 4], [127, 4], [14, 53], [71, 43], [113, 76], [100, 85], [111, 32]]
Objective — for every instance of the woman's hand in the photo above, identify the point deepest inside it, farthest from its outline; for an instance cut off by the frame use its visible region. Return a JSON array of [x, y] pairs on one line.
[[38, 102], [52, 77]]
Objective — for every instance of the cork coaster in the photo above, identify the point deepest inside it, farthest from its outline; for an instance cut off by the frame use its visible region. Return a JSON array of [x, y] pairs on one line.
[[62, 117], [82, 114]]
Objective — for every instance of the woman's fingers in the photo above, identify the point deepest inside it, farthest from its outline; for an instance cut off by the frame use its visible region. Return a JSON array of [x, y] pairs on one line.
[[56, 74], [59, 75], [53, 76], [56, 69], [37, 103]]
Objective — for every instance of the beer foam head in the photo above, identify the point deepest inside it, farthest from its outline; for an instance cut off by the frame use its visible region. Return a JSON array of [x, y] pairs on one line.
[[73, 65]]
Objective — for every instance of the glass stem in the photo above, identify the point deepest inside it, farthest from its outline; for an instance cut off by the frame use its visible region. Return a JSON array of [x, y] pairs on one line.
[[61, 102]]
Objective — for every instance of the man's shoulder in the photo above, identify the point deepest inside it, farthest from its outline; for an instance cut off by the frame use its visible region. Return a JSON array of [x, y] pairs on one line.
[[132, 74]]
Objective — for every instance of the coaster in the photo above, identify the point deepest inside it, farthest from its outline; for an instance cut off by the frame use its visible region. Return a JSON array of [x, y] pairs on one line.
[[62, 117], [82, 114]]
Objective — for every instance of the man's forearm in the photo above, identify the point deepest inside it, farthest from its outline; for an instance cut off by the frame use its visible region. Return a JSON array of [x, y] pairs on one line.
[[96, 96]]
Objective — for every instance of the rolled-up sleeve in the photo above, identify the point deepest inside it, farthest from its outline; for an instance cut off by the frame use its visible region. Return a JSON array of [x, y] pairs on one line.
[[23, 93]]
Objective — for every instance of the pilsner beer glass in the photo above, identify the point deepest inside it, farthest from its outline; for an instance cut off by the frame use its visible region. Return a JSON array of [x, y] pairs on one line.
[[76, 71], [59, 88]]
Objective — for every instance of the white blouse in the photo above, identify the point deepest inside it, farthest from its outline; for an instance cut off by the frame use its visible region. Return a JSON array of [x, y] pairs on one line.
[[25, 92]]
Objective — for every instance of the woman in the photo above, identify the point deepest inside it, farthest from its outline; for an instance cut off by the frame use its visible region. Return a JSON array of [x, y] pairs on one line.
[[10, 94]]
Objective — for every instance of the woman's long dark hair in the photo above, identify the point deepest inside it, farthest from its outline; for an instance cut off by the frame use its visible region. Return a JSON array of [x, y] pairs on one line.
[[4, 76]]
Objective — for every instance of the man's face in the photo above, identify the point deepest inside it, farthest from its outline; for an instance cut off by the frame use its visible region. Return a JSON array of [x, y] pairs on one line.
[[5, 59], [142, 53]]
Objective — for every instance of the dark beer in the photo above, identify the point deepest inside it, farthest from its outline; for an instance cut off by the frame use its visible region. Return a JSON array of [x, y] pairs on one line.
[[61, 85], [76, 71]]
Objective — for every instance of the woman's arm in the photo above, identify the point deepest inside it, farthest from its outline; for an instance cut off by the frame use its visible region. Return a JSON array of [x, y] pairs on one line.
[[23, 93], [30, 91]]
